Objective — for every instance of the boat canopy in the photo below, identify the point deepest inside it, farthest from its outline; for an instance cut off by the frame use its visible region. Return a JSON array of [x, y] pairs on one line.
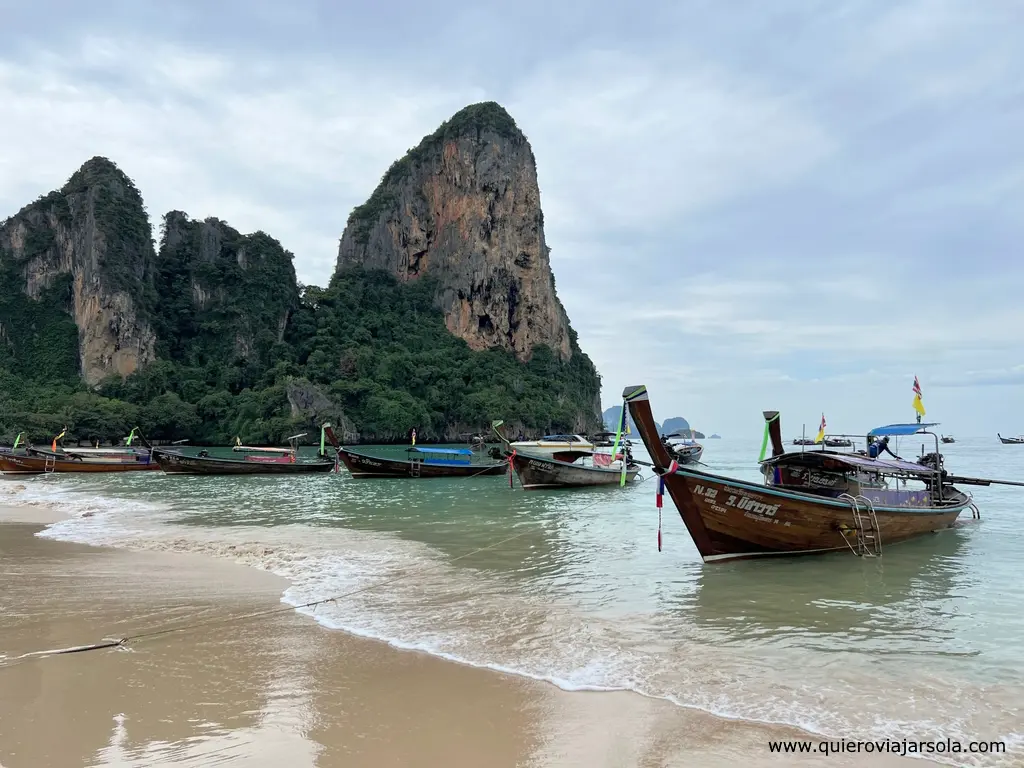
[[445, 451], [899, 429], [565, 438], [882, 465]]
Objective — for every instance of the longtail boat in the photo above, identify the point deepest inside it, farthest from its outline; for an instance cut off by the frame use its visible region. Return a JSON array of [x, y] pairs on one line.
[[37, 462], [537, 472], [682, 448], [1010, 440], [422, 462], [284, 461], [811, 501]]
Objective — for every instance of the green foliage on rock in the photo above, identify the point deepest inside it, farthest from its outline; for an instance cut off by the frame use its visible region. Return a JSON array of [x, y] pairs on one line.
[[38, 337]]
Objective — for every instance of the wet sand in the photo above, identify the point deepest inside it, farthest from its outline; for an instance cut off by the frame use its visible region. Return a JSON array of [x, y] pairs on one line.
[[281, 690]]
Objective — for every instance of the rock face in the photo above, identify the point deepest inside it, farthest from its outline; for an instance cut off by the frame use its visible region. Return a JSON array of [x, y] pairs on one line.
[[93, 232], [611, 418], [308, 402], [222, 294], [463, 207]]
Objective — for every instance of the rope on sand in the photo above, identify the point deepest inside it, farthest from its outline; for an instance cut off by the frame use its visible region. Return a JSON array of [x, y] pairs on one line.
[[124, 642]]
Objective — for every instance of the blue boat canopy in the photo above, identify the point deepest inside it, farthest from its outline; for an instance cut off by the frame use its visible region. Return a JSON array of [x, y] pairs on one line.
[[446, 451], [899, 429]]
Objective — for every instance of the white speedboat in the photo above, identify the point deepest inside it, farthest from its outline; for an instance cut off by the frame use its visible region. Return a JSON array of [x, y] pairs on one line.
[[558, 447]]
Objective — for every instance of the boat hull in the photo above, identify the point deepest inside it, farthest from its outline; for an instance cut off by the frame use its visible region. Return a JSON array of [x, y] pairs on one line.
[[181, 464], [361, 465], [11, 464], [687, 454], [731, 519], [536, 472]]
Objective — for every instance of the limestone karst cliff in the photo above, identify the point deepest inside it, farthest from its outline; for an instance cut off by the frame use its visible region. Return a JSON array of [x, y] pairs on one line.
[[211, 337], [85, 249], [464, 207], [223, 295]]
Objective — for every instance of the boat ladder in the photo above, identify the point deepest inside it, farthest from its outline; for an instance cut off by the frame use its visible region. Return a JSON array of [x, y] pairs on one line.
[[414, 467], [865, 527], [50, 464]]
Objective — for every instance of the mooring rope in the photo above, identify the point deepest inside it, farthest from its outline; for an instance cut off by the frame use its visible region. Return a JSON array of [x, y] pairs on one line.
[[124, 642]]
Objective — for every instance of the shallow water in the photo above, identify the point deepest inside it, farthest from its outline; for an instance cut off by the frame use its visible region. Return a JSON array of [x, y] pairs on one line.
[[925, 643]]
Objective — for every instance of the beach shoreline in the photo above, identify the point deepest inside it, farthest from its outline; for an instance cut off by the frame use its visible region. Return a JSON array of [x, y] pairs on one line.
[[464, 714]]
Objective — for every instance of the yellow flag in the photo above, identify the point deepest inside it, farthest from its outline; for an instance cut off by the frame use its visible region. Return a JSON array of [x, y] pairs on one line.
[[821, 430], [918, 405]]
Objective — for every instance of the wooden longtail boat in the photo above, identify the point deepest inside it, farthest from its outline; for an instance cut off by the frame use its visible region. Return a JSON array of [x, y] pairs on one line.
[[1010, 440], [178, 463], [811, 502], [422, 462], [35, 462], [286, 463], [683, 449], [542, 472]]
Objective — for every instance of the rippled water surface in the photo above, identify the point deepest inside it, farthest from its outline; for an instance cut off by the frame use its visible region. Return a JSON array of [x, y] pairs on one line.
[[925, 643]]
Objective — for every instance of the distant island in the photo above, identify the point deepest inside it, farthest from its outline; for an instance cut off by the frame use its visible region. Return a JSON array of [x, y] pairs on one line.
[[715, 437], [675, 425]]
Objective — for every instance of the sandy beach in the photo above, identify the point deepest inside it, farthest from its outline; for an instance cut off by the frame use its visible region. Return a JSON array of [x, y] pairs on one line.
[[282, 690]]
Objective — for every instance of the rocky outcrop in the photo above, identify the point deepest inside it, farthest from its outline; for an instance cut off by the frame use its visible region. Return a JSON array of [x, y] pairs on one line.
[[95, 230], [221, 292], [310, 404], [463, 207]]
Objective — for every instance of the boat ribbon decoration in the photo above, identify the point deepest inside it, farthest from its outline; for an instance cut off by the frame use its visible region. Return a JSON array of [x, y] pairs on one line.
[[323, 436], [764, 440], [623, 426], [658, 500], [53, 445], [17, 440], [131, 436]]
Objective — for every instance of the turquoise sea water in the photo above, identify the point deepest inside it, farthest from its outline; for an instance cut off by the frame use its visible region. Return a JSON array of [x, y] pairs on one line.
[[926, 642]]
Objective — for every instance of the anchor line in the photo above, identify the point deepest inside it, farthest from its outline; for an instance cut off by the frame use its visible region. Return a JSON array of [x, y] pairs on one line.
[[128, 640]]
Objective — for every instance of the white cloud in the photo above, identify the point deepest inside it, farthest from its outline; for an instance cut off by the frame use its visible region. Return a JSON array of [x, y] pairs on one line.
[[208, 135], [635, 143]]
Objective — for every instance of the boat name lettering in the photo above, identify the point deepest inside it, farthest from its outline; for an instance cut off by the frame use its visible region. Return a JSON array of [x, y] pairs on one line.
[[757, 507]]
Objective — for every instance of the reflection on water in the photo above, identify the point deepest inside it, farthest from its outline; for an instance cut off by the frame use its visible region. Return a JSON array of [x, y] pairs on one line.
[[577, 591]]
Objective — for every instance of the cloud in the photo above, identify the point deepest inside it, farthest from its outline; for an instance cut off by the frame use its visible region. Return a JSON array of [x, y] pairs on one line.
[[798, 206], [631, 144], [213, 136]]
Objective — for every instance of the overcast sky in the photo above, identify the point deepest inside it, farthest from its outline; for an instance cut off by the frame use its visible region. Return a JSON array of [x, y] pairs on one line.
[[792, 204]]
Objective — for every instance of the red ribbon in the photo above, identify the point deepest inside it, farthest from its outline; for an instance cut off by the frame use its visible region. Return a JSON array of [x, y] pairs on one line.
[[511, 467], [659, 497]]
